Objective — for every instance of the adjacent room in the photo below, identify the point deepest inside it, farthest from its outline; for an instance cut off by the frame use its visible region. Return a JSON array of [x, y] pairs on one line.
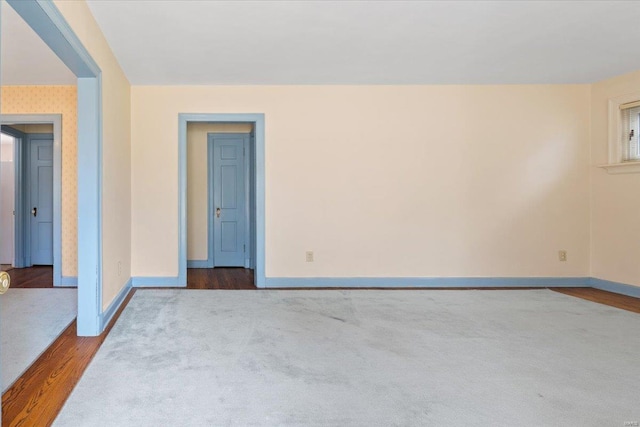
[[37, 210], [328, 212]]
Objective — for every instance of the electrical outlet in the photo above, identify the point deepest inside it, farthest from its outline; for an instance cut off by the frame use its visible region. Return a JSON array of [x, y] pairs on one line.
[[562, 256], [309, 256]]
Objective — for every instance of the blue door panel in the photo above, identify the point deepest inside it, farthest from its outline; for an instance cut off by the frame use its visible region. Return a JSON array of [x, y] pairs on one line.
[[41, 201], [228, 187], [229, 236], [229, 152], [45, 153], [45, 180], [45, 229], [229, 214]]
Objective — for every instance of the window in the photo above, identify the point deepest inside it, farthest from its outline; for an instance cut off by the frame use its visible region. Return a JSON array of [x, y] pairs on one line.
[[630, 128], [624, 134]]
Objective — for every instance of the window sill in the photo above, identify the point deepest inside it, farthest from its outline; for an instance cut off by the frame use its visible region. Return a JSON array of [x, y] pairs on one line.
[[618, 168]]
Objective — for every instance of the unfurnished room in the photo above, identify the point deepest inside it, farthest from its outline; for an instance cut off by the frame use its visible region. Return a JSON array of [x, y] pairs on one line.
[[319, 213]]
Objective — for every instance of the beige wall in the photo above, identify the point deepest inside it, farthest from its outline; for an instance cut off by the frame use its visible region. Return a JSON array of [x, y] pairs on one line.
[[55, 100], [116, 150], [388, 181], [615, 203], [197, 183], [376, 180]]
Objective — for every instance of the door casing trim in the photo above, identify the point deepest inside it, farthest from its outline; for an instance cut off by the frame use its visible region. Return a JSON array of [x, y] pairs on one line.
[[258, 121], [20, 203]]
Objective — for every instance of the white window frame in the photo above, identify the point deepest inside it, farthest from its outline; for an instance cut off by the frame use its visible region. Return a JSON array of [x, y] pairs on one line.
[[631, 131], [616, 164]]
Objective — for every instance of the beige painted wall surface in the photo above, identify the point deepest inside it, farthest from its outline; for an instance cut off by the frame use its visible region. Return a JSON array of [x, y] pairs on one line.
[[55, 100], [388, 181], [197, 229], [615, 206], [116, 150]]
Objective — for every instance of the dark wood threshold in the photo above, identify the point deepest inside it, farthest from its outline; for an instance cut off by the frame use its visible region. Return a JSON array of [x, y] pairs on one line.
[[40, 393], [32, 277], [219, 278]]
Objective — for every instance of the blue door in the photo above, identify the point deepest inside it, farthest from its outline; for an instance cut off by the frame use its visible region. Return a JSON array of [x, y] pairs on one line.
[[230, 196], [41, 201]]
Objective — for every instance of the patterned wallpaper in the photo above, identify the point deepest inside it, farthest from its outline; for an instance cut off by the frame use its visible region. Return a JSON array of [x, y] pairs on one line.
[[55, 100]]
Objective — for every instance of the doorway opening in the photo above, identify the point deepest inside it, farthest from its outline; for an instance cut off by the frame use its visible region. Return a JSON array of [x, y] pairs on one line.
[[50, 26], [220, 204], [30, 188], [221, 200], [31, 193]]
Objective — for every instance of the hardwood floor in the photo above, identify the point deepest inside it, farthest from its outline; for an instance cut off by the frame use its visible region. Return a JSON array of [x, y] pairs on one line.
[[37, 397], [220, 278], [603, 297], [197, 278], [31, 277]]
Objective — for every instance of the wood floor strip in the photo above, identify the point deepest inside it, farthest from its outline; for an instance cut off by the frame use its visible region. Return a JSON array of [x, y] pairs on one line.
[[220, 278], [603, 297], [37, 397]]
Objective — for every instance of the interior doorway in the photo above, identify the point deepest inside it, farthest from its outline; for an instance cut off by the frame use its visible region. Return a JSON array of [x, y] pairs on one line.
[[50, 26], [34, 191], [31, 193], [221, 198], [220, 202]]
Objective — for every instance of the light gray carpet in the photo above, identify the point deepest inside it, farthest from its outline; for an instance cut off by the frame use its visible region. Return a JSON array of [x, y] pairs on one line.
[[30, 320], [362, 358]]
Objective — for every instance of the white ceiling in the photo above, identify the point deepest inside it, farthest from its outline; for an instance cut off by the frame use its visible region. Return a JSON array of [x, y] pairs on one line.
[[25, 58], [371, 42], [346, 42]]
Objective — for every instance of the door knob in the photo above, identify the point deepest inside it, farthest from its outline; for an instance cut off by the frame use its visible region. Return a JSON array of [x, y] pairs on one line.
[[218, 212], [5, 281], [34, 211]]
